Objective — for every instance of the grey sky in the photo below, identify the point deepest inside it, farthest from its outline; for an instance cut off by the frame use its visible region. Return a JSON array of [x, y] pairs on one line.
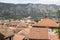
[[32, 1]]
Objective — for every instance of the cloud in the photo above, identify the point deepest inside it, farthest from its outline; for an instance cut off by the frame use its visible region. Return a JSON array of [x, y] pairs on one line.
[[32, 1], [49, 1], [57, 2]]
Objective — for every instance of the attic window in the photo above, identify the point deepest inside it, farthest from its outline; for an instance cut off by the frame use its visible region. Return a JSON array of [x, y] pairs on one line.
[[38, 30]]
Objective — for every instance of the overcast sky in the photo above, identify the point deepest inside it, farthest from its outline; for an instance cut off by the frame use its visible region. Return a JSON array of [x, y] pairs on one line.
[[32, 1]]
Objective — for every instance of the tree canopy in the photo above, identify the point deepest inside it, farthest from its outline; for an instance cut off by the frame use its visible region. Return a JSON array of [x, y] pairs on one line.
[[58, 13]]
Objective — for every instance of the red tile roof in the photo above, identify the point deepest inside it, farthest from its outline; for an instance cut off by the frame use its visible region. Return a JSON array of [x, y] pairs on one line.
[[38, 33], [18, 37], [54, 37], [7, 32], [18, 29], [47, 23]]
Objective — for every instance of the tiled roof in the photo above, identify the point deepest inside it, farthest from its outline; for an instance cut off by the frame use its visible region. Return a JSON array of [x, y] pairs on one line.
[[47, 23], [18, 37], [38, 33], [54, 37], [18, 29], [14, 22], [6, 31]]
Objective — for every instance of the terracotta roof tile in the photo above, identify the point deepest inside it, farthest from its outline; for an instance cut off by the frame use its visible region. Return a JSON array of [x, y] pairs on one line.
[[54, 37], [18, 37], [6, 31], [18, 29], [38, 33], [47, 23]]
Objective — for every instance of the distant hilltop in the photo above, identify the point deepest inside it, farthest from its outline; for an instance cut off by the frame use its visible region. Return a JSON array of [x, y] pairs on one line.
[[37, 11]]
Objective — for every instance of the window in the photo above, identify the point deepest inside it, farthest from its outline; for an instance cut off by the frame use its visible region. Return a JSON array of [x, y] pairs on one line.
[[38, 30], [52, 30], [49, 30]]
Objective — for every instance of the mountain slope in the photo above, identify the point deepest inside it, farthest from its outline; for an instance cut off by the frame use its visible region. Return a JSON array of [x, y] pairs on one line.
[[8, 10]]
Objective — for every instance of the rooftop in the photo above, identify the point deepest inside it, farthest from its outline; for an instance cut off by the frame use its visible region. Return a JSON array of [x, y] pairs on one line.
[[46, 22]]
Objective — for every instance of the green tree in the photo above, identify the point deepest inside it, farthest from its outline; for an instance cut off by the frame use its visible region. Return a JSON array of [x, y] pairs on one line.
[[58, 13], [58, 32]]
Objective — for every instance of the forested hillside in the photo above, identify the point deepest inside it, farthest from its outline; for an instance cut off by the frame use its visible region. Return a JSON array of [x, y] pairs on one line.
[[36, 11]]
